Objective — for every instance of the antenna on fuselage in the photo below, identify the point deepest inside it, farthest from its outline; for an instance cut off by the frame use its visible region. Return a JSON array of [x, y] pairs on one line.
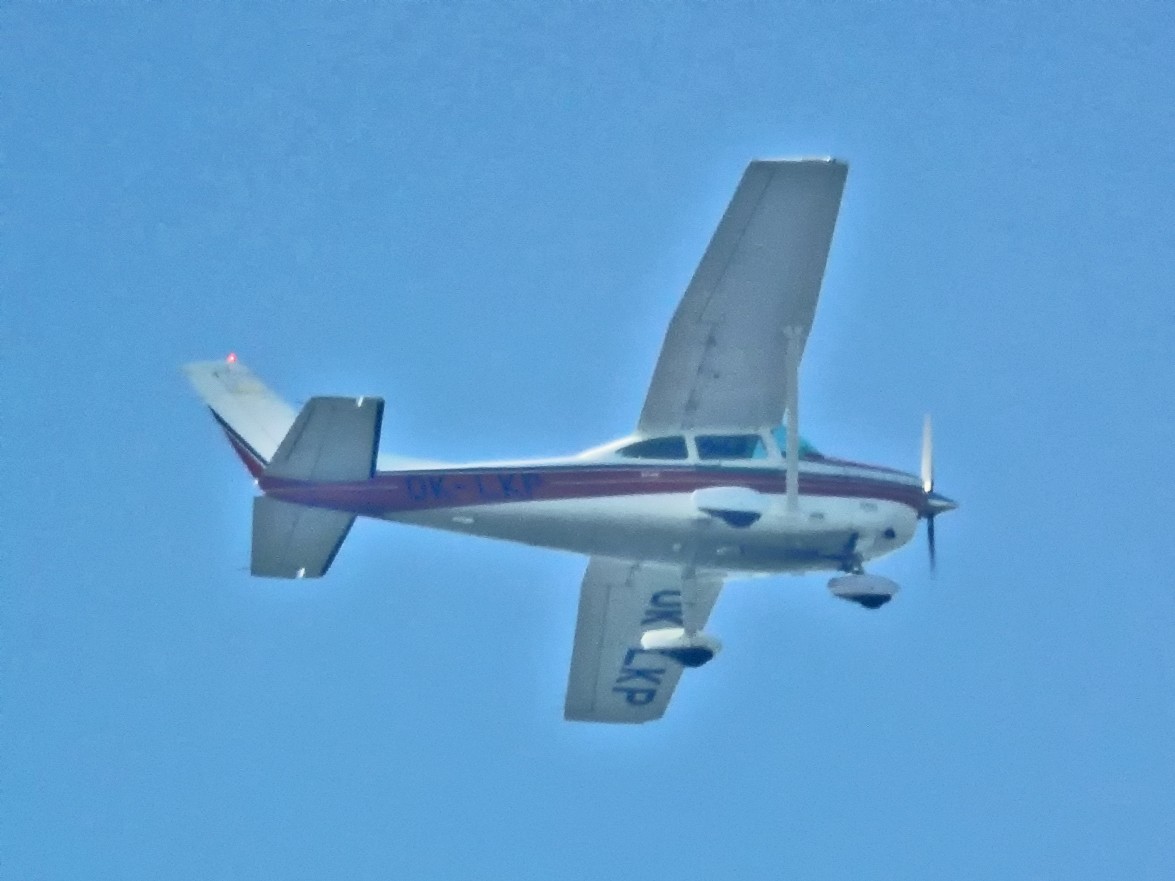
[[793, 418]]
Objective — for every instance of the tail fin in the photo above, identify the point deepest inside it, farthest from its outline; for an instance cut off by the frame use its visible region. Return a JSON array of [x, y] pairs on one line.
[[331, 439], [254, 418]]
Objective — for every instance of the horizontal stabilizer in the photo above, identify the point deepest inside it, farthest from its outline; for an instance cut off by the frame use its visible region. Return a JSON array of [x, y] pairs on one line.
[[333, 439], [295, 541]]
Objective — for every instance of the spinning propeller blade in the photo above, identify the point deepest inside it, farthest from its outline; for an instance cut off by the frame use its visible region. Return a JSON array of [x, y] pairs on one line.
[[927, 456], [935, 504], [930, 541]]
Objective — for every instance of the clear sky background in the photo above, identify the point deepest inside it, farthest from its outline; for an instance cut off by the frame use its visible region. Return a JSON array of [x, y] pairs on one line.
[[487, 214]]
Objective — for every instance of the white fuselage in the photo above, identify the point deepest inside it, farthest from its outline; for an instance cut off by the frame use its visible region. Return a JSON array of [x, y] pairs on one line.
[[669, 528], [603, 504]]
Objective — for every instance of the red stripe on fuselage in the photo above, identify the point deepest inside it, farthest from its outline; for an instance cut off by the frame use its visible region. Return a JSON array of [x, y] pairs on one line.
[[254, 465], [398, 491]]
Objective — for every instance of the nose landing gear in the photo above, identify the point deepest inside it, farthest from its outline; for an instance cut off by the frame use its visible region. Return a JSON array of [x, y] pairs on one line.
[[869, 591]]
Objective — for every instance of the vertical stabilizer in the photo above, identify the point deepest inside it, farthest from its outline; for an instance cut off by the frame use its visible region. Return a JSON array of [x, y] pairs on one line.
[[254, 418]]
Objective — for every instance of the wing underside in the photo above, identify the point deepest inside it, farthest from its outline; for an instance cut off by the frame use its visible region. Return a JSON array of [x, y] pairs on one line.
[[612, 678], [724, 359]]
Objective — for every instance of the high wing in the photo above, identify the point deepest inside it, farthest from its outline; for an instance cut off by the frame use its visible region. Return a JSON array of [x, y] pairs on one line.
[[724, 360], [612, 678]]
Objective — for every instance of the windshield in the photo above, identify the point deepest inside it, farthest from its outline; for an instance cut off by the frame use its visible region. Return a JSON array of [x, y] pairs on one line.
[[807, 451]]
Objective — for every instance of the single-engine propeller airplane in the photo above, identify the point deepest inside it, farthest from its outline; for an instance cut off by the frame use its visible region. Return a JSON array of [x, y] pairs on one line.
[[711, 485]]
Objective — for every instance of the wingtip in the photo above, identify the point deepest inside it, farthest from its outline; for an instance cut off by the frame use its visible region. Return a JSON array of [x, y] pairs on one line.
[[796, 160]]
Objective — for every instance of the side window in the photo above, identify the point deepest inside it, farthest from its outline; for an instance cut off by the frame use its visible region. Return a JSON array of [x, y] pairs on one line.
[[657, 448], [731, 446]]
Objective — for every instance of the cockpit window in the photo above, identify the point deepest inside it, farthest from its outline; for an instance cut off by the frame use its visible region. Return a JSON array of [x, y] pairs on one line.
[[657, 448], [807, 451], [731, 446]]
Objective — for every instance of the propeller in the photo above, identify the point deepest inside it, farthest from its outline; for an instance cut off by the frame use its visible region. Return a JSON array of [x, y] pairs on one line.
[[930, 543], [927, 456], [935, 503], [928, 484]]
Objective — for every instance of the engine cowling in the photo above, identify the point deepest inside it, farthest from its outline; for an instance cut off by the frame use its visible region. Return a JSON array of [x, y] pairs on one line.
[[870, 591]]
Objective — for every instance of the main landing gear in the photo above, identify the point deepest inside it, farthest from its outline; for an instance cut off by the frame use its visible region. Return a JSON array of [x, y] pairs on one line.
[[688, 645], [688, 649]]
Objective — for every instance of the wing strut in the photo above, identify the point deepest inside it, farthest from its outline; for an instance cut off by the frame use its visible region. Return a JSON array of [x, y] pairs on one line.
[[693, 610], [795, 345]]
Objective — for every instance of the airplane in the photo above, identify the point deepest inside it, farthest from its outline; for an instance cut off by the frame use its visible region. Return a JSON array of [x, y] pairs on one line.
[[713, 484]]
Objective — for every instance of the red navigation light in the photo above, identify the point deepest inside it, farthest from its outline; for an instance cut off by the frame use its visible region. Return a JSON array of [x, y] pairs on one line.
[[232, 358]]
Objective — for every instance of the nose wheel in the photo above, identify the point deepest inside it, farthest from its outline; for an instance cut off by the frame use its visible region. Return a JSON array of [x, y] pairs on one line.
[[868, 591]]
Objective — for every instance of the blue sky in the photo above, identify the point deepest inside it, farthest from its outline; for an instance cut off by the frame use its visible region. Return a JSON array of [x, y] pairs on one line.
[[487, 215]]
